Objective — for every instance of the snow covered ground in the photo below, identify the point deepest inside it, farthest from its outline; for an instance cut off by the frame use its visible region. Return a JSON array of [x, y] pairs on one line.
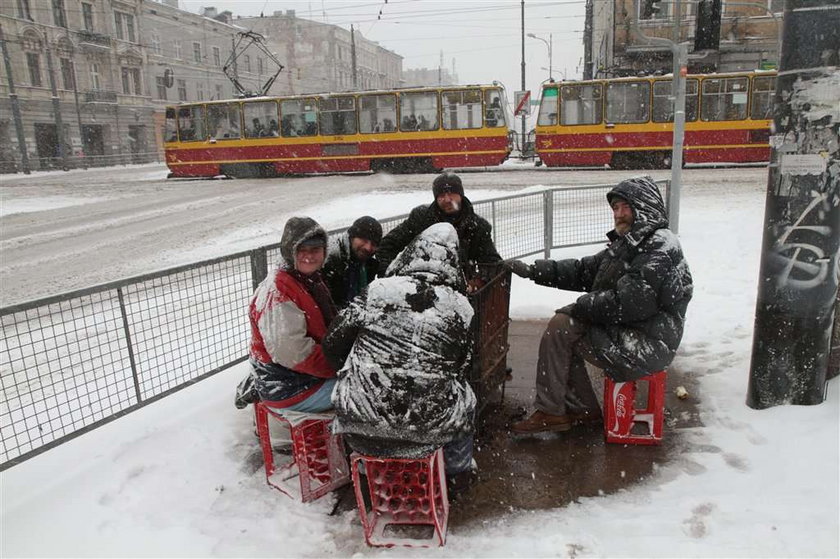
[[173, 479]]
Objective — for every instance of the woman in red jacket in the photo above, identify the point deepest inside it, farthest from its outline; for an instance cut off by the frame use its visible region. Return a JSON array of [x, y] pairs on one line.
[[289, 314]]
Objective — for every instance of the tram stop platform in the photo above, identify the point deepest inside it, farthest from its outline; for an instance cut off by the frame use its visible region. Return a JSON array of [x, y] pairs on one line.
[[554, 469]]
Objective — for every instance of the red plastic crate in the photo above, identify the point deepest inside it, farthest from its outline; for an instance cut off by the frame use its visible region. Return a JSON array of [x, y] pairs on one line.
[[318, 459], [621, 415], [402, 492]]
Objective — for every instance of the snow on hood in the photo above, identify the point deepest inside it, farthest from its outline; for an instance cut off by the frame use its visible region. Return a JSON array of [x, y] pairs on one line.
[[648, 207], [432, 256]]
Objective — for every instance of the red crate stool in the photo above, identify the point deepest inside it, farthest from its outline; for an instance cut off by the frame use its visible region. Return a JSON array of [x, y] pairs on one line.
[[407, 495], [621, 415], [317, 459]]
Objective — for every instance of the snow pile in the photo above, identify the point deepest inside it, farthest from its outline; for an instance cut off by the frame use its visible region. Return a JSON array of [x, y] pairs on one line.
[[179, 478]]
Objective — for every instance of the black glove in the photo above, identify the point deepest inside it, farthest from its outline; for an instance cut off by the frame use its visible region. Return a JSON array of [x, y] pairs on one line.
[[519, 268]]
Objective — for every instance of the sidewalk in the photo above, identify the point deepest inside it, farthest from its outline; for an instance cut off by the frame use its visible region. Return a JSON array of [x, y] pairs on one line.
[[552, 470]]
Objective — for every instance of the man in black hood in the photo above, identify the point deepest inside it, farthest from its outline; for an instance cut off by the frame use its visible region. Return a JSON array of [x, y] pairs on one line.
[[628, 323], [450, 206]]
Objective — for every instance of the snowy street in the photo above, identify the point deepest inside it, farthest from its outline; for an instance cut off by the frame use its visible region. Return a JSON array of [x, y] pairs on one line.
[[176, 478], [77, 229]]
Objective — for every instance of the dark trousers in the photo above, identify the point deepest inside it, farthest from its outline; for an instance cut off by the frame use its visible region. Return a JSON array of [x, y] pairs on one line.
[[563, 384]]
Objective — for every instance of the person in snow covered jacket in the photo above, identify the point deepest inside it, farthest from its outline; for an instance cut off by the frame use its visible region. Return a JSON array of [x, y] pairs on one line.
[[351, 260], [630, 321], [450, 206], [289, 315], [403, 352]]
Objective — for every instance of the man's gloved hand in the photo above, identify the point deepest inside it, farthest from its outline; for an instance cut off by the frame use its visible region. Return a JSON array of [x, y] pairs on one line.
[[519, 268]]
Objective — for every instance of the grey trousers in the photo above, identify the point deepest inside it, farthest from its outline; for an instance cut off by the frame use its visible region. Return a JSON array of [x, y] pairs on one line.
[[563, 384]]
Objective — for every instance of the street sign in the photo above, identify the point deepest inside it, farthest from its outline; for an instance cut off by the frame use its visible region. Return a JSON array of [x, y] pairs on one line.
[[522, 100]]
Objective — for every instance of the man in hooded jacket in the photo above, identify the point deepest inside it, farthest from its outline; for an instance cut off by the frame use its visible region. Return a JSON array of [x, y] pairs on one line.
[[630, 321], [453, 207], [403, 357], [289, 314]]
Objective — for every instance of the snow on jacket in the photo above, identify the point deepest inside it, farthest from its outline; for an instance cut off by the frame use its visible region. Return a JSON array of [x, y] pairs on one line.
[[287, 326], [342, 272], [474, 235], [638, 287], [405, 350]]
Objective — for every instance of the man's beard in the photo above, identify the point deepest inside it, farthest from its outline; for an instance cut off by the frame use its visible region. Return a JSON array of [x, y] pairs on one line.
[[362, 255]]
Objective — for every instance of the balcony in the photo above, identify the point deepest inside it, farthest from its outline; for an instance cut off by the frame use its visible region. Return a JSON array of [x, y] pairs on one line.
[[100, 96], [94, 40]]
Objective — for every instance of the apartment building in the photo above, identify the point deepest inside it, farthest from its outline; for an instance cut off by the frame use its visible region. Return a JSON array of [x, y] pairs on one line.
[[749, 37]]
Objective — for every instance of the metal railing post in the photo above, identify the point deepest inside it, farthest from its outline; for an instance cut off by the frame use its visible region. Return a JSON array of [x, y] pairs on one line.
[[548, 222], [259, 266], [129, 345], [493, 210]]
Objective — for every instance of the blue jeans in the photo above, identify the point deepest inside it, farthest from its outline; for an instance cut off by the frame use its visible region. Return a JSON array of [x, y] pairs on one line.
[[320, 401], [457, 455]]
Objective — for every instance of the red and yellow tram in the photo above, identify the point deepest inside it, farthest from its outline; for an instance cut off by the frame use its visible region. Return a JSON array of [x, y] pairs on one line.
[[405, 130], [628, 122]]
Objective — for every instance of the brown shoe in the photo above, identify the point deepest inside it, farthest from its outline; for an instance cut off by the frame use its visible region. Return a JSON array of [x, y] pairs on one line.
[[586, 417], [540, 422]]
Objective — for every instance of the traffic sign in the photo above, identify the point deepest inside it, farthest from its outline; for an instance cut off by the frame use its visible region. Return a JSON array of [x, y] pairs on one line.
[[522, 100]]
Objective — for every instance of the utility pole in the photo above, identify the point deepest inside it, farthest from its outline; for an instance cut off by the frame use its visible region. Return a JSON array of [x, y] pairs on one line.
[[587, 41], [13, 100], [353, 55], [56, 104], [797, 287], [524, 137]]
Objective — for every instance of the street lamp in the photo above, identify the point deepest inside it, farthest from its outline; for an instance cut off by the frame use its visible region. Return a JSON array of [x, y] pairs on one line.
[[548, 44]]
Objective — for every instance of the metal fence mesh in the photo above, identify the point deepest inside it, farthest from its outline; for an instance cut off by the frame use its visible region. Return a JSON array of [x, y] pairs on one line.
[[73, 362]]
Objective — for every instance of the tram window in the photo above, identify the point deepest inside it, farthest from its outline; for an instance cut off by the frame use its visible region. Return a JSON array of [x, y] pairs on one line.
[[260, 119], [299, 118], [461, 109], [191, 123], [581, 104], [663, 107], [494, 114], [223, 121], [377, 113], [548, 107], [724, 99], [763, 90], [628, 102], [338, 115], [419, 111], [170, 130]]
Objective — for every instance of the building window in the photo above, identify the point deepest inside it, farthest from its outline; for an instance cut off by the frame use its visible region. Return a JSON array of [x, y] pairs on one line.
[[59, 14], [33, 62], [87, 16], [131, 81], [23, 9], [219, 93], [247, 63], [95, 84], [155, 43], [217, 56], [197, 52], [161, 87], [260, 66], [182, 90], [178, 53], [124, 25], [199, 91], [67, 76]]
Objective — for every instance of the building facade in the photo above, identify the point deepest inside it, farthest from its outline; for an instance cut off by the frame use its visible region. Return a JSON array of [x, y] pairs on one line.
[[749, 37], [419, 77], [318, 57]]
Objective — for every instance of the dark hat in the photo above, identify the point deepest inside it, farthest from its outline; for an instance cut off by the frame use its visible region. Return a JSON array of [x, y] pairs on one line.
[[366, 228], [447, 182]]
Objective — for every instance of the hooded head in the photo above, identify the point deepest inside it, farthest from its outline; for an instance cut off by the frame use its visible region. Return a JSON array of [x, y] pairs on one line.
[[432, 256], [643, 196], [300, 231]]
